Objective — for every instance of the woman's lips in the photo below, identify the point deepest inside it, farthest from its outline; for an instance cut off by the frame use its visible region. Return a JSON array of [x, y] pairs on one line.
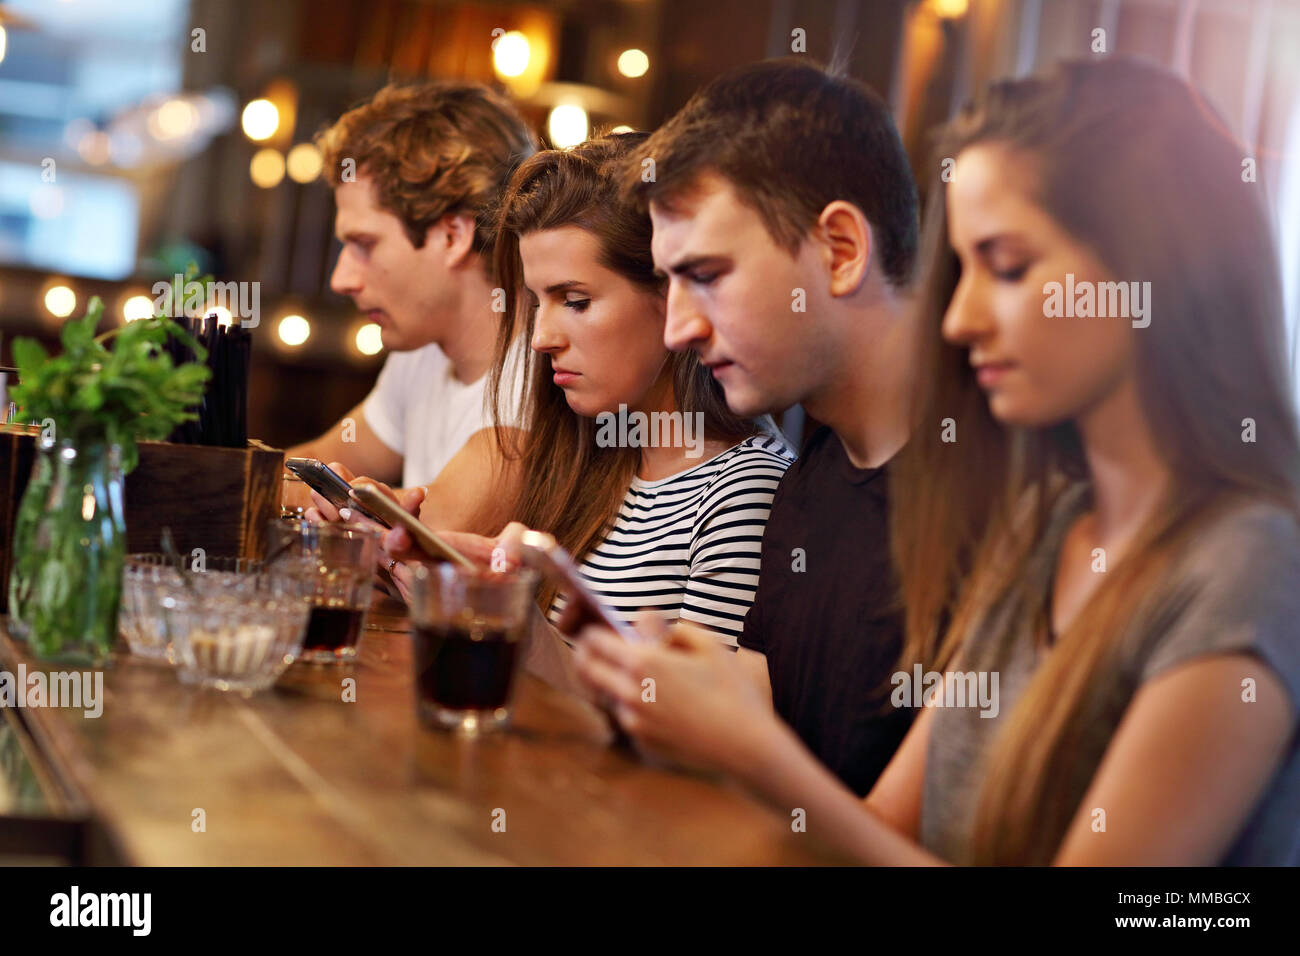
[[990, 374], [563, 377]]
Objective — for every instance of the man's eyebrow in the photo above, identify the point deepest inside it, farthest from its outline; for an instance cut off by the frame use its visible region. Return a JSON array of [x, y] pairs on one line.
[[692, 262], [354, 235]]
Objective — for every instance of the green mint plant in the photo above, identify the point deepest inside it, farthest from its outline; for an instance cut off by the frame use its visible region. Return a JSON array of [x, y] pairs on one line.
[[115, 388], [104, 394]]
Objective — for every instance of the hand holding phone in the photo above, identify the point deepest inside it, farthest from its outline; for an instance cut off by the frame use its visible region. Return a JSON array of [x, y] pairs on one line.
[[330, 485], [541, 551], [392, 515]]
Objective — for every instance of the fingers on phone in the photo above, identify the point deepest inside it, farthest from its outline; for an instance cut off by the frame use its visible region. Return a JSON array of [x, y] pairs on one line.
[[324, 510]]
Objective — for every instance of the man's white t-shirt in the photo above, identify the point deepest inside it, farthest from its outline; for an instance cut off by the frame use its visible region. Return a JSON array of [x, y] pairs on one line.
[[419, 409]]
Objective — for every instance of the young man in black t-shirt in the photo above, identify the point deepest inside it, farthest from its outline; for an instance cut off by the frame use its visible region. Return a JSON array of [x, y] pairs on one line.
[[785, 218]]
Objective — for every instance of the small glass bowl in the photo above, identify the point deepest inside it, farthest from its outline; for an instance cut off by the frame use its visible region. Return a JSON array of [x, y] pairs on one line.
[[148, 577], [234, 630]]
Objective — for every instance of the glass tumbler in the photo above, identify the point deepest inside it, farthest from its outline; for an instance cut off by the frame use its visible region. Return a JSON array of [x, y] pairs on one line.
[[333, 566], [468, 629]]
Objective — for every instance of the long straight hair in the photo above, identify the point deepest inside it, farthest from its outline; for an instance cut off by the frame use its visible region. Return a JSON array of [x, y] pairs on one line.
[[1131, 161], [569, 485]]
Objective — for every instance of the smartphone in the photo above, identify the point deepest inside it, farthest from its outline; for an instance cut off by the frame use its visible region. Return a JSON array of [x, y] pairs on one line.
[[392, 514], [541, 551], [327, 483]]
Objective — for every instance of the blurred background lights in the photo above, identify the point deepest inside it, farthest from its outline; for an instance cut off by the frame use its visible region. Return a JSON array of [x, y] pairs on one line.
[[369, 339], [633, 63], [510, 53], [293, 330], [60, 301], [173, 120], [304, 163], [622, 128], [137, 307], [93, 147], [266, 168], [222, 314], [567, 125], [124, 148], [4, 43], [260, 120], [950, 9]]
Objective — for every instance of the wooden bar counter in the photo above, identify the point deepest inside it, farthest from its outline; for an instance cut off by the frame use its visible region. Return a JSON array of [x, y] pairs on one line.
[[299, 776]]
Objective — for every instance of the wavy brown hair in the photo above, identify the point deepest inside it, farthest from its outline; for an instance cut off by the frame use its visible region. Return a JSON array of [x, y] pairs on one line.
[[432, 149], [568, 484], [1131, 161]]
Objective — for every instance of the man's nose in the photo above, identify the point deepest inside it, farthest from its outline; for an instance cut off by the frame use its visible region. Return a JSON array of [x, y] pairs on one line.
[[685, 324]]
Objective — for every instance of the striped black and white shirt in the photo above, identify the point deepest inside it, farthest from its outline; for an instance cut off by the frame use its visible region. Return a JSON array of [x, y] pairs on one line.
[[687, 546]]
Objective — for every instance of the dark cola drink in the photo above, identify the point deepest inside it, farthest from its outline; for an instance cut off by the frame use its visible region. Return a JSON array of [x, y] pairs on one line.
[[465, 667], [333, 632]]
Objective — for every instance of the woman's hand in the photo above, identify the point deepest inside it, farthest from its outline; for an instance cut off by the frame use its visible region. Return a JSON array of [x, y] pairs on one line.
[[501, 553], [684, 698], [386, 564], [322, 510]]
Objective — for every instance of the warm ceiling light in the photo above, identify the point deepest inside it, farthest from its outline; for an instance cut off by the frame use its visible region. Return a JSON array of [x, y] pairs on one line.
[[294, 330], [266, 168], [137, 307], [510, 53], [951, 9], [304, 163], [173, 120], [369, 339], [567, 125], [60, 301], [222, 314], [633, 63], [260, 120]]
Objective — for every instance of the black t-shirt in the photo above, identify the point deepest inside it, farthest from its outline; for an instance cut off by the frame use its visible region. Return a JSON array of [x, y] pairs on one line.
[[827, 613]]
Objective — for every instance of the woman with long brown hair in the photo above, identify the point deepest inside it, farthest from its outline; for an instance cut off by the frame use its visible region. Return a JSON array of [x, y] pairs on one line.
[[1097, 516], [630, 457]]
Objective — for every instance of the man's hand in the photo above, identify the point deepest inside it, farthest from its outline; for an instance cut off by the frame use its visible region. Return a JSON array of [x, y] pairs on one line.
[[682, 698]]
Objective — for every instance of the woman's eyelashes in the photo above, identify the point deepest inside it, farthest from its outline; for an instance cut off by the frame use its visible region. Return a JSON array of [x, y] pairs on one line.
[[577, 303], [1012, 274]]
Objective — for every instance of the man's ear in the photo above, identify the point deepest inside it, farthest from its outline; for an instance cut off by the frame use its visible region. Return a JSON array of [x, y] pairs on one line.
[[453, 234], [846, 235]]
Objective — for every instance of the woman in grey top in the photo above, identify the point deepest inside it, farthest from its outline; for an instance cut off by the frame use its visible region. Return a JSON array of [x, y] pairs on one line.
[[1096, 522]]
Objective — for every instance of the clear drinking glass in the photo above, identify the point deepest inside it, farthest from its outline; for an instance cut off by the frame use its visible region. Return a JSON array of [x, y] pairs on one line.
[[333, 565], [468, 628], [232, 629]]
